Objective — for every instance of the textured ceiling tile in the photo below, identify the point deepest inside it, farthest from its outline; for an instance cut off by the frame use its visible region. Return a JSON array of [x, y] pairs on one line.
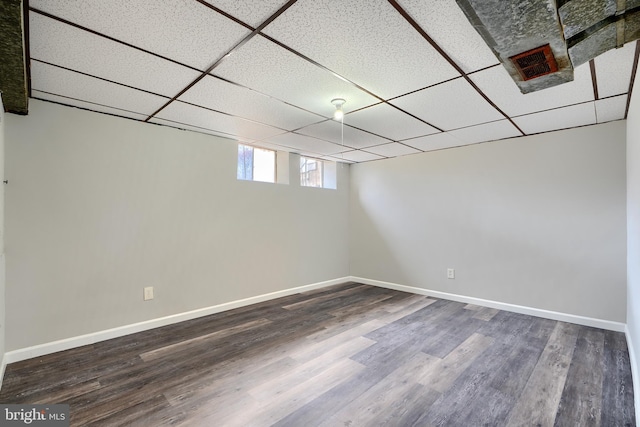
[[500, 88], [388, 122], [337, 158], [330, 130], [561, 118], [183, 30], [486, 132], [610, 109], [265, 66], [60, 44], [367, 42], [613, 70], [198, 129], [306, 144], [87, 105], [47, 78], [250, 12], [434, 142], [359, 156], [196, 116], [392, 150], [447, 25], [219, 95], [449, 105]]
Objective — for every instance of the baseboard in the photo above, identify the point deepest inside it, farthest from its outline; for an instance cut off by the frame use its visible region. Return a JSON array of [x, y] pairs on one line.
[[66, 344], [634, 372], [3, 366], [553, 315]]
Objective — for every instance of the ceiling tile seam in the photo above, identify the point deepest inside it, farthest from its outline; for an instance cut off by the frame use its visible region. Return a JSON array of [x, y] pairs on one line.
[[479, 70], [594, 79], [225, 14], [634, 69], [231, 115], [556, 108], [99, 78], [345, 124], [595, 112], [309, 136], [561, 129], [266, 95], [113, 39], [346, 80], [441, 51], [424, 88], [87, 102], [237, 46], [453, 130], [230, 135], [27, 43]]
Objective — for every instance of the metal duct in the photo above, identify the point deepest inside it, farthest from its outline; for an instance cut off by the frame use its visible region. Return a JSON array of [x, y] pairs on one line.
[[575, 30]]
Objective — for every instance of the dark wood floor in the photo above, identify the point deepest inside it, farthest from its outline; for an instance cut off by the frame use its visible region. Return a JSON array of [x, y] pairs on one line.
[[349, 355]]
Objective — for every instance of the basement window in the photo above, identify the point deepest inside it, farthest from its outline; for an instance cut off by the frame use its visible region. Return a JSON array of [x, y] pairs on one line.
[[317, 173], [256, 164]]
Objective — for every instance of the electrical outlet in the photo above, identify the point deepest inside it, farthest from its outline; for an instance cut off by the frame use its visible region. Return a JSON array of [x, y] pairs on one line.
[[148, 293], [451, 273]]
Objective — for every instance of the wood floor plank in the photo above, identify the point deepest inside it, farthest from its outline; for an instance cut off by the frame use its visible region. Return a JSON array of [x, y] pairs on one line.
[[345, 355], [538, 403], [581, 402]]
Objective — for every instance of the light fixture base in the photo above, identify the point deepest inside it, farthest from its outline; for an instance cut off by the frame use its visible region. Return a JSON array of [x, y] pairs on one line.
[[338, 102]]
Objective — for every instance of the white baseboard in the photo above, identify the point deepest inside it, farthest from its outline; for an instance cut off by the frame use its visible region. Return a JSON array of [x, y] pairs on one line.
[[68, 343], [553, 315], [73, 342], [634, 372], [3, 366]]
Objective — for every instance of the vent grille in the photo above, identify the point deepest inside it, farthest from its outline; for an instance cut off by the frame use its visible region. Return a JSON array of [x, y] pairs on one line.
[[535, 63]]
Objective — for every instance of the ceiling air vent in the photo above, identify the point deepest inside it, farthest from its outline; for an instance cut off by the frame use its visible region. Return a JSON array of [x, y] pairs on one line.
[[535, 63]]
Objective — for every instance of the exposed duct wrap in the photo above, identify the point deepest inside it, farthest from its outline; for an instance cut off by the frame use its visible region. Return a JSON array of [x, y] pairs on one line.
[[576, 31]]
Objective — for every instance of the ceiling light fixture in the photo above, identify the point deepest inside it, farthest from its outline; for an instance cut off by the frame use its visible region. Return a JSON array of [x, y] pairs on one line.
[[338, 114]]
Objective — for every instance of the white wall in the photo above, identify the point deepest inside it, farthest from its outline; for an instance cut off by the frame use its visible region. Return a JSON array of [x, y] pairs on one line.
[[536, 221], [633, 238], [100, 207], [2, 274]]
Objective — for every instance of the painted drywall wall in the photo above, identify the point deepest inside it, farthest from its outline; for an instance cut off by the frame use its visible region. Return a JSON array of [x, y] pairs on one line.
[[2, 274], [537, 221], [633, 237], [99, 207]]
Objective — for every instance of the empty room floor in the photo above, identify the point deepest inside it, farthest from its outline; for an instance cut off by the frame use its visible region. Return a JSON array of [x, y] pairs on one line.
[[347, 355]]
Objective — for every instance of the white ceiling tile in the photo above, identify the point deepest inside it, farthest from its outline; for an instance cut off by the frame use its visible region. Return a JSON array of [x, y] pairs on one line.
[[610, 109], [270, 69], [561, 118], [337, 158], [225, 124], [367, 42], [448, 26], [198, 129], [386, 121], [66, 46], [434, 142], [500, 88], [330, 130], [306, 144], [183, 30], [613, 70], [250, 12], [58, 81], [486, 132], [392, 150], [449, 105], [219, 95], [359, 156], [87, 105]]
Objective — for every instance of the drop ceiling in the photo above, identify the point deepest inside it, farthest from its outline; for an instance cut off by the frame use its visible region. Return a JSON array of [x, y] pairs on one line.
[[416, 75]]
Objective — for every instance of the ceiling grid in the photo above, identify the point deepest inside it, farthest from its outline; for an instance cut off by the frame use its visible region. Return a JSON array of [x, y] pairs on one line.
[[416, 75]]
